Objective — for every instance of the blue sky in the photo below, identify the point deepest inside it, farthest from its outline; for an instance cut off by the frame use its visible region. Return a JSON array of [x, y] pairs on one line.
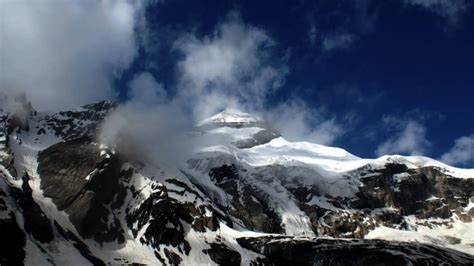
[[364, 62], [372, 77]]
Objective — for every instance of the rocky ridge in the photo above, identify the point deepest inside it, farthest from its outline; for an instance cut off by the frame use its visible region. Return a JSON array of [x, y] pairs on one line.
[[251, 199]]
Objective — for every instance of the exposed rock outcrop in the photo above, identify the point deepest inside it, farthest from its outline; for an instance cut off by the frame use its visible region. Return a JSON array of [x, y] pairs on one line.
[[85, 184], [294, 251]]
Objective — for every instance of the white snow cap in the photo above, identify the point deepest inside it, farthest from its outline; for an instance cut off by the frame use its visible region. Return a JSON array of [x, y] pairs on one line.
[[231, 116]]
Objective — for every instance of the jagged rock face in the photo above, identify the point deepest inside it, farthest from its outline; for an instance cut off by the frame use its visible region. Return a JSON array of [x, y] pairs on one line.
[[204, 217], [83, 183], [247, 204], [294, 251], [385, 197], [128, 212], [424, 192], [161, 217], [223, 255], [83, 122]]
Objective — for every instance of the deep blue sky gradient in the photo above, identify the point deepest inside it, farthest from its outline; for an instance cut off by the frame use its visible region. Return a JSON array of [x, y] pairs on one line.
[[405, 61]]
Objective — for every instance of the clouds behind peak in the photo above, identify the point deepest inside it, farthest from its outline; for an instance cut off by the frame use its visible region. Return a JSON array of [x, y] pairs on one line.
[[462, 153], [299, 122], [408, 138], [233, 64], [230, 68]]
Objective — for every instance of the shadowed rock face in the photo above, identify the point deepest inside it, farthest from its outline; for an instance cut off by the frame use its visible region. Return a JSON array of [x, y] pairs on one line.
[[35, 221], [248, 204], [11, 242], [84, 184], [223, 255], [12, 238], [294, 251]]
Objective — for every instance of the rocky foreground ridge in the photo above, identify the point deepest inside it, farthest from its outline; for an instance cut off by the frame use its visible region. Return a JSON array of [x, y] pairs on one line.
[[246, 197]]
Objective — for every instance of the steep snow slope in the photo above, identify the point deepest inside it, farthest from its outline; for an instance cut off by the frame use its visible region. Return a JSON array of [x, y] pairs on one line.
[[278, 167]]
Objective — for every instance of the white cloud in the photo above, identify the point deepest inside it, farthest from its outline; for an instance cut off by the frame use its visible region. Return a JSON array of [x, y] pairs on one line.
[[462, 153], [298, 122], [231, 65], [145, 89], [452, 10], [228, 69], [151, 133], [411, 140], [337, 41], [65, 53]]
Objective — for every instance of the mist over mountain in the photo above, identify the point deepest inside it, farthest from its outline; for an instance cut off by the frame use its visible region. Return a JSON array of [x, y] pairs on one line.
[[236, 133], [237, 186]]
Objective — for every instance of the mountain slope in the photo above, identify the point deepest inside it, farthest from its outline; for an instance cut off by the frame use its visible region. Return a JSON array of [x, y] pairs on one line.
[[67, 199]]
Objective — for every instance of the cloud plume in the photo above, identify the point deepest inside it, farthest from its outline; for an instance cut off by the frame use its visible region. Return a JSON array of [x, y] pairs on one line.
[[65, 53], [410, 140], [462, 153], [298, 122], [231, 66]]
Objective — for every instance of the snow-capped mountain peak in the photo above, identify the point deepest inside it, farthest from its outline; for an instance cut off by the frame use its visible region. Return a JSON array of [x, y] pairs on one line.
[[245, 197], [237, 128], [231, 117]]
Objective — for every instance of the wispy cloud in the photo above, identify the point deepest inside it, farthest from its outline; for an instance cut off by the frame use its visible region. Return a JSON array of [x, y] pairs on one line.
[[230, 68], [337, 41], [152, 133], [452, 10], [145, 89], [299, 122], [462, 153], [233, 63], [234, 67], [409, 139]]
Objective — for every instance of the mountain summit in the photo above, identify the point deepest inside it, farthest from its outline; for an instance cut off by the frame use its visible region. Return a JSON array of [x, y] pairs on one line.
[[244, 196], [230, 117]]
